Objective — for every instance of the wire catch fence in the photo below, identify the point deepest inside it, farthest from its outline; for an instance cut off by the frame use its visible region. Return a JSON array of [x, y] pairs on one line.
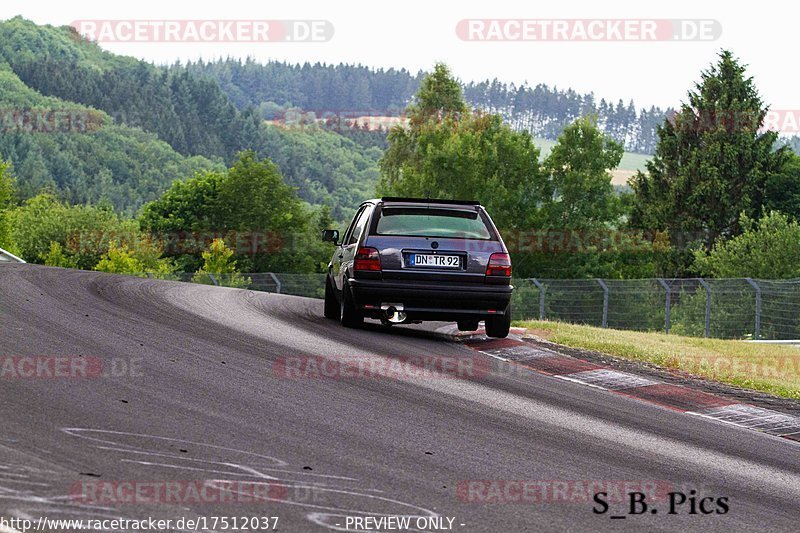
[[722, 308]]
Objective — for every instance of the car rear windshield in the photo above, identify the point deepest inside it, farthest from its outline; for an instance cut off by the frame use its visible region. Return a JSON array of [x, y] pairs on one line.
[[431, 222]]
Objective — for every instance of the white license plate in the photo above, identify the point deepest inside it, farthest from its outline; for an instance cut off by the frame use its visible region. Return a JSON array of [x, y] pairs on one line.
[[431, 260]]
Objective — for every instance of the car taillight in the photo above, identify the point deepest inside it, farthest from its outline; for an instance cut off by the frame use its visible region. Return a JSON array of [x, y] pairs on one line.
[[367, 259], [499, 265]]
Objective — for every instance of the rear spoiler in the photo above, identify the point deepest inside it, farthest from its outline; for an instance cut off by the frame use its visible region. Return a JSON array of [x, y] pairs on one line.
[[428, 200]]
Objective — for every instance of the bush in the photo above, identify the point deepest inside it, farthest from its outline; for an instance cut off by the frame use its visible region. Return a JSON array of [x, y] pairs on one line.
[[144, 261], [84, 233], [767, 249], [57, 258], [218, 263]]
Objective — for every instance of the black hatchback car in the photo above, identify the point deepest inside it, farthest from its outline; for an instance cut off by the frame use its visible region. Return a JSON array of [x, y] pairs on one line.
[[406, 260]]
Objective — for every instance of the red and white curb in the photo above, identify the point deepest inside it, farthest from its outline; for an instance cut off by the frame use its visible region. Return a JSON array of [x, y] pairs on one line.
[[677, 397], [757, 418]]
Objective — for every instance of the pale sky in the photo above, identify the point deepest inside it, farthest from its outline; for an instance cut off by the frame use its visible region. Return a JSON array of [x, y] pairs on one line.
[[415, 34]]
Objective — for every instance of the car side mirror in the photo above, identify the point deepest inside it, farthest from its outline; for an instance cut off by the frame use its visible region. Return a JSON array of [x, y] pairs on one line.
[[330, 235]]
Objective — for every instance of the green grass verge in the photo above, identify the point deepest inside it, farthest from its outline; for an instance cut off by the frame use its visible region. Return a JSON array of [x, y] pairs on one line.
[[633, 161], [630, 160], [770, 368]]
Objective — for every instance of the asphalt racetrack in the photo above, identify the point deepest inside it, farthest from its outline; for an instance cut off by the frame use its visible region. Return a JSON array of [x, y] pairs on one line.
[[196, 388]]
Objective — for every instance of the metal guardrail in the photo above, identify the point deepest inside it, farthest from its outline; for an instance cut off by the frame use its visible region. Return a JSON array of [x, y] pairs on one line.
[[721, 308], [309, 285], [8, 257]]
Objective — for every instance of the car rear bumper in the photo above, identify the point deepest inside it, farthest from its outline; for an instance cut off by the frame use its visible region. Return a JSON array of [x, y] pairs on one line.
[[431, 301]]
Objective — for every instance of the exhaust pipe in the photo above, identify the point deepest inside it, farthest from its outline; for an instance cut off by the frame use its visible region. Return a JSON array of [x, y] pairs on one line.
[[394, 313]]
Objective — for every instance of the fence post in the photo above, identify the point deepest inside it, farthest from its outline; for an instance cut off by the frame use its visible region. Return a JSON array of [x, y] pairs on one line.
[[541, 297], [605, 301], [708, 306], [212, 278], [758, 306], [667, 303], [277, 282]]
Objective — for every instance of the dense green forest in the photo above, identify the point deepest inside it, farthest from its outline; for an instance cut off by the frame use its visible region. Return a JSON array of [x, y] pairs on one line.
[[192, 115], [357, 90], [79, 153], [157, 125]]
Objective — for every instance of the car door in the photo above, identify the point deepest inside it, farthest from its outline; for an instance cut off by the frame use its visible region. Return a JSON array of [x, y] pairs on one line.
[[343, 257]]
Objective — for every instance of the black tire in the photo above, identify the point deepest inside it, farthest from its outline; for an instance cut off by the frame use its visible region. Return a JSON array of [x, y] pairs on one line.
[[351, 317], [332, 308], [467, 325], [498, 326]]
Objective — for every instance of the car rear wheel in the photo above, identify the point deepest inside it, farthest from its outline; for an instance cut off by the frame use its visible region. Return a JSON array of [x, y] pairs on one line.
[[331, 303], [351, 317], [467, 325], [498, 326]]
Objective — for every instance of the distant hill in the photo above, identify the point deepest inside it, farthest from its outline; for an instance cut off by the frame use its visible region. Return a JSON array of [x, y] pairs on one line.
[[150, 126], [356, 90], [194, 116], [78, 152]]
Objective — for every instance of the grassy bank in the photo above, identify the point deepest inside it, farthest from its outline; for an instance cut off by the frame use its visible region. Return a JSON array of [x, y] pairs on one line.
[[631, 162], [770, 368]]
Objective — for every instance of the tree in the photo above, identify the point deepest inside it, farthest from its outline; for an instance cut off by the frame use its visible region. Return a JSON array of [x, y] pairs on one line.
[[255, 197], [218, 263], [140, 257], [449, 152], [768, 249], [711, 162], [783, 189], [439, 96], [324, 166], [186, 206], [578, 193], [84, 232], [6, 196], [252, 207]]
